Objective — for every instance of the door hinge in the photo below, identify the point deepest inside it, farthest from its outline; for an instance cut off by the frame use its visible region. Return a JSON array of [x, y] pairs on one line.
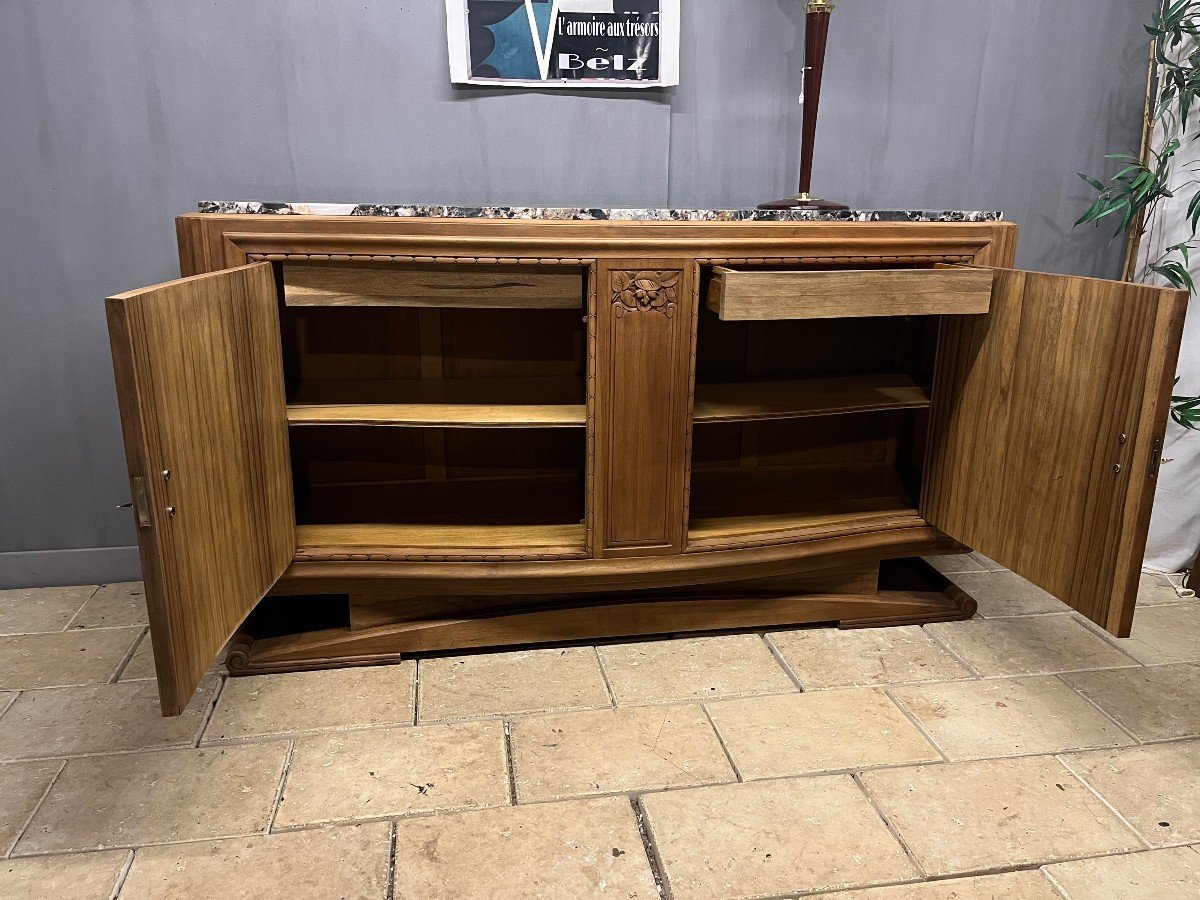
[[141, 504], [1155, 458]]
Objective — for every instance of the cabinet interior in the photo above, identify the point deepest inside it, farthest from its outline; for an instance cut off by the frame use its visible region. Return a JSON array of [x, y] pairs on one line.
[[807, 424], [420, 425]]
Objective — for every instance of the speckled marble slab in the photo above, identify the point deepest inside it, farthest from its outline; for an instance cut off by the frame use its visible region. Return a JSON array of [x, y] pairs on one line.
[[568, 214]]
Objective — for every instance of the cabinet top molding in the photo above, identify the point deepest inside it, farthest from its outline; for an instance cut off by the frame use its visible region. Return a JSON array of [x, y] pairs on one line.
[[252, 207]]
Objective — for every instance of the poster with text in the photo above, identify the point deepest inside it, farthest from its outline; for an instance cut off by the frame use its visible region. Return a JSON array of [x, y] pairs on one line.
[[564, 43]]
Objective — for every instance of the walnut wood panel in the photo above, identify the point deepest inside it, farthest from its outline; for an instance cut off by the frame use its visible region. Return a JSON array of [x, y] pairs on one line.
[[389, 605], [200, 384], [454, 415], [497, 287], [641, 393], [593, 621], [741, 505], [1044, 419], [208, 242], [751, 401], [331, 542], [757, 295], [606, 575]]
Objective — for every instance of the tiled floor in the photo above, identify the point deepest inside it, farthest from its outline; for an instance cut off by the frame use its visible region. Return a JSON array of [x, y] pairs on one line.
[[1019, 755]]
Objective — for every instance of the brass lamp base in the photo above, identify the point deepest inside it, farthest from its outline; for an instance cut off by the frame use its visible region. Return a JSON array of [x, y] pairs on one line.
[[802, 201]]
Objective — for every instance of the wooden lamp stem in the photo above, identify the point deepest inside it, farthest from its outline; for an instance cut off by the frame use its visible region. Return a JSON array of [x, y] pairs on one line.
[[816, 36]]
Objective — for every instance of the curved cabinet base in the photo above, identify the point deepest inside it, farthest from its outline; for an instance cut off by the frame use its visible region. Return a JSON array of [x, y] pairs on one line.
[[530, 622]]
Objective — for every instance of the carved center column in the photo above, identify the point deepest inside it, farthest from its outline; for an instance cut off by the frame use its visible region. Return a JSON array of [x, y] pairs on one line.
[[644, 341]]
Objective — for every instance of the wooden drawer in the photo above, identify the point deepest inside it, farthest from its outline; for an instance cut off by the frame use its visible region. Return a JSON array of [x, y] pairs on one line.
[[747, 295], [464, 287]]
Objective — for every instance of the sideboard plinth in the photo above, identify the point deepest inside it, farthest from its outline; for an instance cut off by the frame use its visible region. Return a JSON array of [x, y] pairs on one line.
[[926, 596]]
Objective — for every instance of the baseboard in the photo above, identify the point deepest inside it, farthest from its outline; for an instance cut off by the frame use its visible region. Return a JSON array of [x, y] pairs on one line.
[[51, 568]]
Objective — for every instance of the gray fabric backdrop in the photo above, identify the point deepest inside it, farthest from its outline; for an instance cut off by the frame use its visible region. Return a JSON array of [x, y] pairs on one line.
[[115, 115]]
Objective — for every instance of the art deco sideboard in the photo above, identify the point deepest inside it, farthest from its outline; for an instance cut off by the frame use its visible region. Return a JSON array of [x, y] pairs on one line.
[[356, 437]]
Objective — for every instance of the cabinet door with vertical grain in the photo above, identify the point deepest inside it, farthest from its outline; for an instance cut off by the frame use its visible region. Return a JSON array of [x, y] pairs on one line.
[[200, 383], [1046, 431]]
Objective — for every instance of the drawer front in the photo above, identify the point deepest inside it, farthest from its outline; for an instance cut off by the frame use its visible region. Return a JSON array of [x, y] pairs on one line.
[[465, 287], [742, 295]]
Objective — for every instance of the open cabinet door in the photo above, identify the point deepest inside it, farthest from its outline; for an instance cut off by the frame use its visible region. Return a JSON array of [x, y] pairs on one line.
[[1046, 429], [200, 382]]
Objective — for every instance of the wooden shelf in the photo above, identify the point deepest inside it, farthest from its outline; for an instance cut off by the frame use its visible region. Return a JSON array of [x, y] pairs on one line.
[[423, 415], [443, 403], [752, 401], [549, 540], [729, 504]]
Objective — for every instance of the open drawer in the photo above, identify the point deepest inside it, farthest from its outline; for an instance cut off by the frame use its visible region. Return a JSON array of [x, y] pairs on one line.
[[758, 294]]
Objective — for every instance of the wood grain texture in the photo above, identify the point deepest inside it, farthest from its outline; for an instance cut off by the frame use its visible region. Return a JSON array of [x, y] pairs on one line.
[[590, 621], [391, 605], [496, 287], [1043, 419], [221, 241], [738, 295], [641, 390], [733, 505], [488, 577], [200, 384], [751, 401], [461, 541], [455, 415]]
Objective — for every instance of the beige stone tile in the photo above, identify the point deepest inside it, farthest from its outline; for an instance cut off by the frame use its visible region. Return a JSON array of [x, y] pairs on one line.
[[972, 816], [1156, 590], [1009, 886], [955, 563], [32, 610], [1002, 594], [614, 750], [820, 732], [1157, 788], [1153, 875], [123, 603], [1164, 634], [73, 657], [141, 664], [1008, 717], [987, 563], [704, 668], [311, 701], [22, 786], [496, 684], [394, 772], [828, 658], [134, 799], [83, 876], [1033, 645], [772, 837], [100, 718], [351, 863], [1155, 703], [547, 851]]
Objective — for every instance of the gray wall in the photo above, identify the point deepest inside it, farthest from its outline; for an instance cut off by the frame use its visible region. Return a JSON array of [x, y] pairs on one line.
[[115, 115]]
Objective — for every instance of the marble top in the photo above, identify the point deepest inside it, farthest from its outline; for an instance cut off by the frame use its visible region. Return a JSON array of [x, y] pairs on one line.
[[568, 214]]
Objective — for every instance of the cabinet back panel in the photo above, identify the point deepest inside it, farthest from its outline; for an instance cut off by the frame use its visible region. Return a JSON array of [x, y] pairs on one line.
[[432, 475], [353, 355], [738, 351]]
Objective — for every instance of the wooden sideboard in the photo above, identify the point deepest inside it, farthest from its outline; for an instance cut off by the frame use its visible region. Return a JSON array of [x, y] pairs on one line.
[[418, 434]]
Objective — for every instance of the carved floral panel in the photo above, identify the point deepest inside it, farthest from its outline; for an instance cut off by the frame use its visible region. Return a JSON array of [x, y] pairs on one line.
[[645, 291]]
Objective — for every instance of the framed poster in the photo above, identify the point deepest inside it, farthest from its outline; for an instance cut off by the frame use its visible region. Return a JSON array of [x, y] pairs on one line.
[[564, 43]]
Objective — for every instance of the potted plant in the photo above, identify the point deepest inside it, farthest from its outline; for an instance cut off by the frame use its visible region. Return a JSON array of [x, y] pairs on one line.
[[1159, 179]]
